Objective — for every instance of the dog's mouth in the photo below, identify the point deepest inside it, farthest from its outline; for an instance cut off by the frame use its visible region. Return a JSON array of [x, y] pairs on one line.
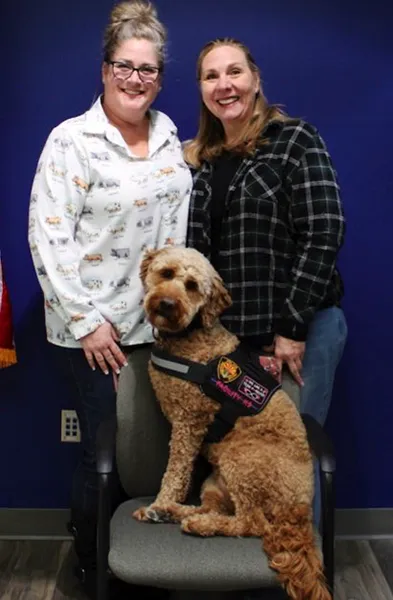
[[166, 314], [166, 308]]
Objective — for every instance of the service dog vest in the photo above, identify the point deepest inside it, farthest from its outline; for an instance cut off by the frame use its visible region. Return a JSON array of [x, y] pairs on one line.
[[236, 380]]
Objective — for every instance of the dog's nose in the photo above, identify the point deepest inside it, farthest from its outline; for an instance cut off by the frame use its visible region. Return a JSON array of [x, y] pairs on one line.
[[166, 306]]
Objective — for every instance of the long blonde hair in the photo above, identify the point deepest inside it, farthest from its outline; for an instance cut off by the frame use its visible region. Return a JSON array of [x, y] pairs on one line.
[[210, 139]]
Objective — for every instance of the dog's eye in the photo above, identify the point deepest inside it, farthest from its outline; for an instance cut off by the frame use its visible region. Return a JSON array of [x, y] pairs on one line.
[[167, 273], [191, 285]]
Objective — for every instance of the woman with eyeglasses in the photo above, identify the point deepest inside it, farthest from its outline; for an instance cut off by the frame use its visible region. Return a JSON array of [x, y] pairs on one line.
[[109, 184]]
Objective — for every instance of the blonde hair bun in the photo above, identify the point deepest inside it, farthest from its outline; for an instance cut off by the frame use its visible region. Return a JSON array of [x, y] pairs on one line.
[[136, 10], [134, 19]]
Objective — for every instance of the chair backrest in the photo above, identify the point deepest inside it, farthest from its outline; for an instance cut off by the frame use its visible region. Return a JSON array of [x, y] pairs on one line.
[[143, 432], [290, 386]]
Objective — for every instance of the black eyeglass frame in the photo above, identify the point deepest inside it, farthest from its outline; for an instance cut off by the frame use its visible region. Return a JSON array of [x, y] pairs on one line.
[[118, 63]]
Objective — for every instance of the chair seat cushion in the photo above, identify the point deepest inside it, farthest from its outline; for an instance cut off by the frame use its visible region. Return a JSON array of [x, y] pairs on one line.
[[161, 555]]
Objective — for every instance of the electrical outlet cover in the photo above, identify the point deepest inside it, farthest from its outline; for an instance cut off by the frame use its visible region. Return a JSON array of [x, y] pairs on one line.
[[70, 431]]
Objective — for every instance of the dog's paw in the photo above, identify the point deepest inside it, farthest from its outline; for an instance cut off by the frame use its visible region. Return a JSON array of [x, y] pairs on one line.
[[191, 525], [153, 514], [157, 514], [141, 514]]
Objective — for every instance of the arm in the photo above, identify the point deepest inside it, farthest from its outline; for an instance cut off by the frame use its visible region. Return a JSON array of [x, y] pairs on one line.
[[198, 232], [197, 236], [58, 195], [319, 226], [173, 227]]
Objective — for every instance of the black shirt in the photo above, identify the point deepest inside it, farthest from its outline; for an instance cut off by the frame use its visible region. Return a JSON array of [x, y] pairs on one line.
[[224, 169]]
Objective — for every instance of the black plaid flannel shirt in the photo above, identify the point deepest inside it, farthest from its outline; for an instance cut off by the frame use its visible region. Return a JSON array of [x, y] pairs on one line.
[[282, 229]]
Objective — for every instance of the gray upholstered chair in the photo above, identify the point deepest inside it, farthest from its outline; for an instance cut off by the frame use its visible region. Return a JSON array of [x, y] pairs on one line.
[[160, 554]]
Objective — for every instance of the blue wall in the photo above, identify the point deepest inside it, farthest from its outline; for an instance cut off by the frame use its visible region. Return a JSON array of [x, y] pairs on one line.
[[331, 65]]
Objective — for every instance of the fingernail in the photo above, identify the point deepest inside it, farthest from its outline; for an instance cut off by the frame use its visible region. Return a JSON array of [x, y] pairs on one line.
[[125, 364], [93, 368], [118, 371], [106, 372]]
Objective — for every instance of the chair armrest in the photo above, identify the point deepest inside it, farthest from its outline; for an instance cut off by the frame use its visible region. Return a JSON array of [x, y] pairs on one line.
[[106, 445], [320, 444]]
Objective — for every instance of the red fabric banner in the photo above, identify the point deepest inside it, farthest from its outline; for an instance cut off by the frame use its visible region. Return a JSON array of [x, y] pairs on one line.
[[7, 348]]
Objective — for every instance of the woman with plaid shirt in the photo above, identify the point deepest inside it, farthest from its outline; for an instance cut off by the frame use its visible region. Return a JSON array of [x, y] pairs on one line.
[[266, 210]]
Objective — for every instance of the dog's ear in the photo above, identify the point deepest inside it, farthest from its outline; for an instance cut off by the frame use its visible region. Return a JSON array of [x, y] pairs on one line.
[[147, 259], [218, 301]]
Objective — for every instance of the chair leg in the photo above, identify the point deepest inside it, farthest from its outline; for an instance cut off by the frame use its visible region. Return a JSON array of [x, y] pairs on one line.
[[103, 538], [328, 526]]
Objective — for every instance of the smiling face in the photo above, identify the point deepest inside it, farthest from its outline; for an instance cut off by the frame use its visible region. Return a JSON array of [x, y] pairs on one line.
[[228, 85], [129, 99]]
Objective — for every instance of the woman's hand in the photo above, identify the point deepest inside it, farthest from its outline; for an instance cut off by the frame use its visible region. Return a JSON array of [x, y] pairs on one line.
[[291, 353], [101, 347]]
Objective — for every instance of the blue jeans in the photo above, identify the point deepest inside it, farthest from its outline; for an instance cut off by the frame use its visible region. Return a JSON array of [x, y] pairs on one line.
[[324, 347], [325, 344]]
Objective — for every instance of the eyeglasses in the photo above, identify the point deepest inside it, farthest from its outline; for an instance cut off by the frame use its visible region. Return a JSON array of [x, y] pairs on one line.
[[123, 71]]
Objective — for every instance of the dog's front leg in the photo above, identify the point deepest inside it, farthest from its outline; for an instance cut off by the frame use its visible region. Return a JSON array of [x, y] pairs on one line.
[[185, 443]]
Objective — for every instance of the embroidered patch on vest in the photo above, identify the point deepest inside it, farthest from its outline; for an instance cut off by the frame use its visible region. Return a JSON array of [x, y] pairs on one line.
[[228, 370], [254, 391]]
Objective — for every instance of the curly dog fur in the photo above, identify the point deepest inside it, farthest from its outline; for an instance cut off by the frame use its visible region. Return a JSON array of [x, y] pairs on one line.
[[261, 483]]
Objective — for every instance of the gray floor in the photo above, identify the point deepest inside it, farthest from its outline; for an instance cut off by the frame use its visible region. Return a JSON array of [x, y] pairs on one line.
[[42, 570]]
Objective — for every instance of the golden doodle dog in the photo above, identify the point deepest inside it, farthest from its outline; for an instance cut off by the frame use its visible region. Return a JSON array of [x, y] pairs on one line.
[[262, 479]]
